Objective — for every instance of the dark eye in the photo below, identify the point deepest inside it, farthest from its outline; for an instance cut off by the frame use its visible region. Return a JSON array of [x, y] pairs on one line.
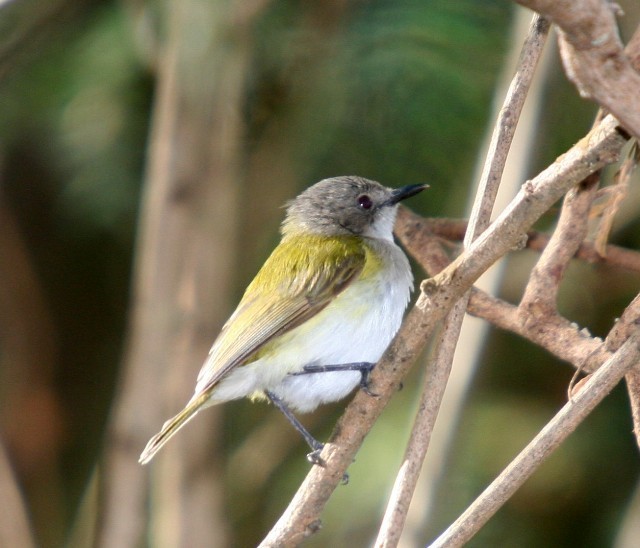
[[365, 202]]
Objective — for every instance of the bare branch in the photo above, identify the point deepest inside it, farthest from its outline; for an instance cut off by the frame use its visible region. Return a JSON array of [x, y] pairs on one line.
[[435, 382], [562, 338], [437, 375], [599, 147], [614, 256], [559, 336], [625, 325], [539, 298], [538, 307], [505, 127], [633, 387], [549, 438], [616, 194], [593, 55]]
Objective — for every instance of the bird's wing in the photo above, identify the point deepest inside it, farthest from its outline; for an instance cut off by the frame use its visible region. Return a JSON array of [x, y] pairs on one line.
[[300, 278], [293, 286]]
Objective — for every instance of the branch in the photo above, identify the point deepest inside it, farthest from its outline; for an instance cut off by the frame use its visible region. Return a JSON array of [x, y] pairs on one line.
[[593, 55], [615, 256], [625, 325], [437, 375], [537, 311], [505, 128], [633, 387], [615, 195], [540, 295], [601, 146], [549, 438], [560, 337]]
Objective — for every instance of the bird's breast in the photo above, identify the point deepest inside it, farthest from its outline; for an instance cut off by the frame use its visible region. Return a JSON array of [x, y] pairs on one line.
[[357, 326]]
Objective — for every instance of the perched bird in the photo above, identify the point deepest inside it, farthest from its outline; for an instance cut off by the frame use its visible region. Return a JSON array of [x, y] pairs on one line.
[[320, 312]]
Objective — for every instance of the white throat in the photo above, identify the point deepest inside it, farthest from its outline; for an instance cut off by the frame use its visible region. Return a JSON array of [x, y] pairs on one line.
[[382, 227]]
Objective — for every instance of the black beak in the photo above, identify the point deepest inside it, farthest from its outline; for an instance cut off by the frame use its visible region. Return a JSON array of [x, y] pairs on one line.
[[401, 193]]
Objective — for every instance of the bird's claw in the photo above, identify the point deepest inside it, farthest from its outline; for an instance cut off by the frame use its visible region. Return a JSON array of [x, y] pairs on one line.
[[364, 382], [314, 457]]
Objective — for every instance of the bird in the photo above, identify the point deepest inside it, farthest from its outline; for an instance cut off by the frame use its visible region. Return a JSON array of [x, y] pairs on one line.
[[319, 313]]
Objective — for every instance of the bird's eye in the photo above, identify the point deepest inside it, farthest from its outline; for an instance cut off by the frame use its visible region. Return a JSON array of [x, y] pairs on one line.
[[365, 202]]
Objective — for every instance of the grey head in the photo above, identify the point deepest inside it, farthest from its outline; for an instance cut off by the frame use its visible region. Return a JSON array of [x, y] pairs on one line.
[[346, 205]]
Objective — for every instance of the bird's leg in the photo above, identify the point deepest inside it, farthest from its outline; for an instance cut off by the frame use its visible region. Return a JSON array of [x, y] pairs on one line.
[[316, 446], [365, 369]]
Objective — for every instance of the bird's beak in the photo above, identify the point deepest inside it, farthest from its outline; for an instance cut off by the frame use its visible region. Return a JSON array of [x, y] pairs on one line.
[[401, 193]]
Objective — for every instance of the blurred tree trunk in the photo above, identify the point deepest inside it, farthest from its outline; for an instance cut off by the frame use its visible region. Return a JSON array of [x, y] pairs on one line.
[[184, 275], [32, 424]]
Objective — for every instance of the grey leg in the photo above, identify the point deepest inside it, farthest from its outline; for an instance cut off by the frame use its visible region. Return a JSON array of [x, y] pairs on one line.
[[316, 446], [365, 369]]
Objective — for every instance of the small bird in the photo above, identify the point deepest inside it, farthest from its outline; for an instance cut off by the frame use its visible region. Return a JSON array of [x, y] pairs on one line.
[[320, 312]]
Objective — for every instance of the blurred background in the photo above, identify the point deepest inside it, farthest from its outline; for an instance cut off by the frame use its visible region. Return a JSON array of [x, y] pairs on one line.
[[146, 149]]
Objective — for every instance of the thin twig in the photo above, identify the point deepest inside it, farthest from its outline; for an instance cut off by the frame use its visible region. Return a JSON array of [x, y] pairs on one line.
[[616, 193], [558, 336], [615, 256], [539, 299], [438, 373], [549, 438], [538, 307], [435, 382], [633, 387], [505, 128], [627, 322], [505, 315]]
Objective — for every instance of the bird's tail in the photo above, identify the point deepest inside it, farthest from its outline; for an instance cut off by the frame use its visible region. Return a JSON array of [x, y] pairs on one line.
[[171, 427]]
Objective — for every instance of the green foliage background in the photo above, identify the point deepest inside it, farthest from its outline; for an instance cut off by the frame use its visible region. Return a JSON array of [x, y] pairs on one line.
[[398, 91]]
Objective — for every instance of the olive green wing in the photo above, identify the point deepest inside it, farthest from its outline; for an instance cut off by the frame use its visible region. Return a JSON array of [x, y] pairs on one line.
[[302, 276], [299, 279]]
